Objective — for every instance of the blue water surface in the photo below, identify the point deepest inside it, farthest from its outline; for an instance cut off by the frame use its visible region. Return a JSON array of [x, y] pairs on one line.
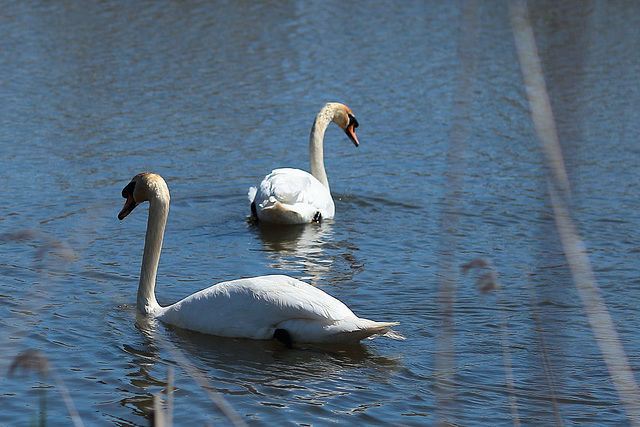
[[212, 96]]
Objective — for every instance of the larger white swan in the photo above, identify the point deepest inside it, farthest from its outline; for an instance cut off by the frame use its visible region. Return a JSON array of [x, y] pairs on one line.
[[258, 307], [293, 196]]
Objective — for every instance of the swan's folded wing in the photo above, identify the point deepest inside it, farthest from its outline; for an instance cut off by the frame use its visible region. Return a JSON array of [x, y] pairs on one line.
[[301, 300], [293, 186], [292, 196], [253, 307]]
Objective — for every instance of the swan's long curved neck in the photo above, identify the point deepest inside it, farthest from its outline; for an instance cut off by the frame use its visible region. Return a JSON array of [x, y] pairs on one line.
[[158, 212], [316, 140]]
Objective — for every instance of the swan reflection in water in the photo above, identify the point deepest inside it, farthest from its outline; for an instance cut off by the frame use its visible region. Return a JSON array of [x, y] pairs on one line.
[[236, 367], [298, 247]]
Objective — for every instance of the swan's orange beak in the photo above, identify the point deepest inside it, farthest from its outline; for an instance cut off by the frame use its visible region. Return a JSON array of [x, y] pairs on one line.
[[350, 130], [130, 204]]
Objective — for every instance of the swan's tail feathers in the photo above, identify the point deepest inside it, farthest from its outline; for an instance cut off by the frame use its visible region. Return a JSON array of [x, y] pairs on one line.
[[276, 212], [367, 329], [390, 333], [349, 330], [252, 194]]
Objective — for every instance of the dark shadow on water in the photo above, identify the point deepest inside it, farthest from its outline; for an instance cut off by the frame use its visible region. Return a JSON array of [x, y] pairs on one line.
[[231, 353]]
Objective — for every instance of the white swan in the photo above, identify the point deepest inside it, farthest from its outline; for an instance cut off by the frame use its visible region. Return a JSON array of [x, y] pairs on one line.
[[258, 307], [293, 196]]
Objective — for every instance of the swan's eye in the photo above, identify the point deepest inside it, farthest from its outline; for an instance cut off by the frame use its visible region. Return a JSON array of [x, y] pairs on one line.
[[352, 121], [128, 190]]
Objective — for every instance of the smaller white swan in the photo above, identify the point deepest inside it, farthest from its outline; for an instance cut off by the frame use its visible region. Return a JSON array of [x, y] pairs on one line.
[[263, 307], [293, 196]]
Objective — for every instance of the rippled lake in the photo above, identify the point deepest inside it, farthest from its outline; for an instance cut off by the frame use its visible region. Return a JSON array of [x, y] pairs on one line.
[[212, 96]]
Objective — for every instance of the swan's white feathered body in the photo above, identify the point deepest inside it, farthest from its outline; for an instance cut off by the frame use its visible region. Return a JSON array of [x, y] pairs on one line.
[[258, 307], [293, 196]]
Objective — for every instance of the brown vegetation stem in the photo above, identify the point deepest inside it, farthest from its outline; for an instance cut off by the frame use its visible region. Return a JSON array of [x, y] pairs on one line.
[[574, 248]]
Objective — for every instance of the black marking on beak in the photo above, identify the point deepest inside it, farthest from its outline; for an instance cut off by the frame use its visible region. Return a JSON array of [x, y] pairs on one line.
[[130, 204], [350, 130]]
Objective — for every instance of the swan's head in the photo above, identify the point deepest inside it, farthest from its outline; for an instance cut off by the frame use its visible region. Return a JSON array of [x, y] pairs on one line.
[[144, 187], [343, 117]]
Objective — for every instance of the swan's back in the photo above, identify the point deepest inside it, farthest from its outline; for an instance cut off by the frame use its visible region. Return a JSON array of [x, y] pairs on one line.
[[257, 306], [291, 196]]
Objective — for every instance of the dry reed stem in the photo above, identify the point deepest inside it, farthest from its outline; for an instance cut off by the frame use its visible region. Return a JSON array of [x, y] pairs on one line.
[[215, 397], [158, 412], [36, 360], [164, 417], [487, 281], [574, 248], [170, 381], [444, 359], [545, 359]]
